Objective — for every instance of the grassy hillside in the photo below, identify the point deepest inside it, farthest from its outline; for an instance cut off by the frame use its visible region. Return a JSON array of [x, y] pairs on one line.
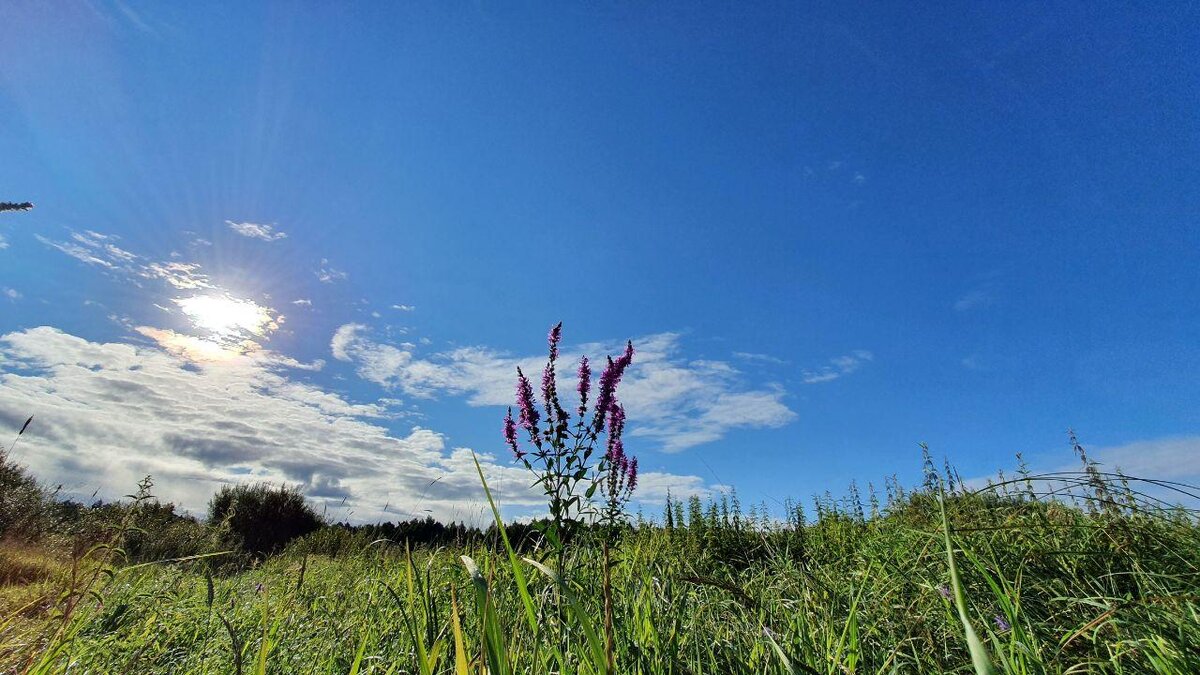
[[1073, 572]]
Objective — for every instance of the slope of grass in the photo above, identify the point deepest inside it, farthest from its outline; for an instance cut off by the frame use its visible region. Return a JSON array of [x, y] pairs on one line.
[[1047, 587]]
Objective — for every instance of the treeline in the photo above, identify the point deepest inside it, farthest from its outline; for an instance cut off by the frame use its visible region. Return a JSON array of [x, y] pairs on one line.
[[254, 521]]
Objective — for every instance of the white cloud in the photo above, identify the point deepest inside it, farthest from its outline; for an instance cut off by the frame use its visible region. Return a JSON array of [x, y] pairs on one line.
[[114, 412], [99, 250], [110, 413], [839, 366], [83, 254], [1171, 458], [673, 402], [12, 294], [760, 358], [3, 242], [256, 231], [302, 302], [326, 274], [184, 276], [404, 308], [228, 326]]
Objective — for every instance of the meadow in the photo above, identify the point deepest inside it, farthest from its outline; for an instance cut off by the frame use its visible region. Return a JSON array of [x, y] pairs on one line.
[[1055, 573]]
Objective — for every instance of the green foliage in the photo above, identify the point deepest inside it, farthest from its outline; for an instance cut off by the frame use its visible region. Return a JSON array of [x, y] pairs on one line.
[[262, 518], [1015, 578], [25, 506]]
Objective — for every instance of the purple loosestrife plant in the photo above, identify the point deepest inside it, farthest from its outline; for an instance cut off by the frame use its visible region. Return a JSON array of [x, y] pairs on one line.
[[560, 448], [619, 472]]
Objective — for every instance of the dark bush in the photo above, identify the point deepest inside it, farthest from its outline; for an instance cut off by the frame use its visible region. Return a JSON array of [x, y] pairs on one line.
[[261, 517]]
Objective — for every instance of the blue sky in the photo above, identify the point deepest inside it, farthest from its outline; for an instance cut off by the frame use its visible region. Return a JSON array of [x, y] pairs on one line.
[[837, 230]]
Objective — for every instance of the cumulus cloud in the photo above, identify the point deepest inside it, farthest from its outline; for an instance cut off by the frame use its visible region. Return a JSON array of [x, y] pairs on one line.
[[403, 308], [1171, 458], [302, 302], [257, 231], [3, 242], [12, 294], [111, 413], [674, 402], [839, 366]]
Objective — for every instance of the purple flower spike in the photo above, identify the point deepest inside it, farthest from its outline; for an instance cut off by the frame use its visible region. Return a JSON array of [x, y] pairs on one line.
[[945, 591], [608, 383], [616, 420], [527, 407], [548, 386], [1002, 624], [616, 454], [633, 475], [585, 384], [553, 338], [510, 434]]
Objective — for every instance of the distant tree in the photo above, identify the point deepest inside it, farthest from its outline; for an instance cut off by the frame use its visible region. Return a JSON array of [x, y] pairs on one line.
[[15, 206], [262, 517]]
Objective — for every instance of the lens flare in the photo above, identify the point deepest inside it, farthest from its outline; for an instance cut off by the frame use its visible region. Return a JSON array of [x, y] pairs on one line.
[[227, 318]]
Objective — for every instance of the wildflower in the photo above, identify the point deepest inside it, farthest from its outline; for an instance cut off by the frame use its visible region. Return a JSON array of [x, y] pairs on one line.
[[1002, 624], [554, 412], [258, 588], [616, 424], [528, 409], [548, 386], [563, 453], [584, 385], [608, 383], [510, 434], [945, 591], [553, 338]]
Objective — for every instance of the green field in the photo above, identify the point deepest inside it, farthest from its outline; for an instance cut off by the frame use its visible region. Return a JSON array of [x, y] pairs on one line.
[[1079, 572]]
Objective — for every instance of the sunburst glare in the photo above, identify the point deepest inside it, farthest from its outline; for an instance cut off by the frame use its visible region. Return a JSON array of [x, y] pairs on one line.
[[227, 320]]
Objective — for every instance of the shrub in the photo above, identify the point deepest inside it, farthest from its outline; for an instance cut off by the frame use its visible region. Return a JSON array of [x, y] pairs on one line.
[[160, 533], [24, 504], [261, 517]]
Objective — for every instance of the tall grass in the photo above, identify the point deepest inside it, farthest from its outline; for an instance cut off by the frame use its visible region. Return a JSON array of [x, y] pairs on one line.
[[1056, 573]]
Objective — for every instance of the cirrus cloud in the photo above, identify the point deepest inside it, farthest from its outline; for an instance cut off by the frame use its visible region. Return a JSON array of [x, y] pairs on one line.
[[257, 231]]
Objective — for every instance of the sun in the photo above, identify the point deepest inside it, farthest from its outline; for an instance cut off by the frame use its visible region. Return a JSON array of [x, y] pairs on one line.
[[228, 319]]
